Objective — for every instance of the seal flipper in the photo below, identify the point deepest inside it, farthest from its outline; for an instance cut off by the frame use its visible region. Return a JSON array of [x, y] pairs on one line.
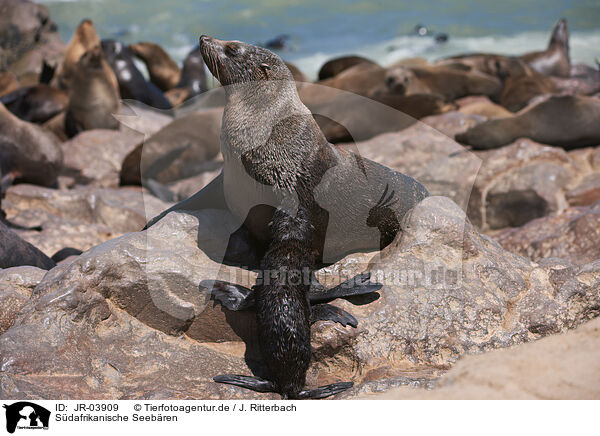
[[357, 285], [327, 312], [324, 391], [256, 384], [233, 297], [236, 297]]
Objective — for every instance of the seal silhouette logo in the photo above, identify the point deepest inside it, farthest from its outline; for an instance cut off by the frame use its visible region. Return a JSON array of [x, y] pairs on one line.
[[26, 415]]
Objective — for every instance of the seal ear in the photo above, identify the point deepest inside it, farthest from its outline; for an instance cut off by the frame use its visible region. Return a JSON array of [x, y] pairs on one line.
[[265, 68]]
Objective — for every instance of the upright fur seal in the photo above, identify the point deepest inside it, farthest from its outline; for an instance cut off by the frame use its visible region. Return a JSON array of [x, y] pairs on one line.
[[275, 156], [93, 98], [132, 84], [554, 61], [84, 39], [164, 71]]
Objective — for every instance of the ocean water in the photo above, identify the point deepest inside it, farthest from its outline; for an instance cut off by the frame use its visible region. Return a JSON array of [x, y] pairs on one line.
[[319, 30]]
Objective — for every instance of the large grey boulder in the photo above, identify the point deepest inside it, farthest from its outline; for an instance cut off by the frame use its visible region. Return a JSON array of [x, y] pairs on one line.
[[136, 307]]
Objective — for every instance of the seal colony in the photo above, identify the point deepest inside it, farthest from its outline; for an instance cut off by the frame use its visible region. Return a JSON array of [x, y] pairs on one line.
[[303, 203]]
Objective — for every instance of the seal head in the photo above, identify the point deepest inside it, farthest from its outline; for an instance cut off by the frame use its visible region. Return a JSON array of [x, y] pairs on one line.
[[233, 62]]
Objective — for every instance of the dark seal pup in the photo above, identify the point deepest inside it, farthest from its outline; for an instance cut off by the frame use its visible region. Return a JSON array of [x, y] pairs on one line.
[[284, 313]]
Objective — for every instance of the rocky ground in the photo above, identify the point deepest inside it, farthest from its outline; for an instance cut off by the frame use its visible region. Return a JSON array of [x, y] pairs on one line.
[[491, 290]]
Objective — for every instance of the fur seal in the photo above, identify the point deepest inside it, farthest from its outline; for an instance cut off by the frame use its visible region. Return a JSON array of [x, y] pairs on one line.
[[564, 121], [335, 66], [521, 83], [36, 104], [164, 71], [93, 98], [28, 153], [132, 84], [554, 61], [285, 308], [450, 82], [275, 156], [8, 83], [193, 74], [84, 39], [14, 251]]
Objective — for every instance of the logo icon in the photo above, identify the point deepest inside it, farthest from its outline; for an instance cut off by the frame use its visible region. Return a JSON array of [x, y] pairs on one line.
[[26, 415]]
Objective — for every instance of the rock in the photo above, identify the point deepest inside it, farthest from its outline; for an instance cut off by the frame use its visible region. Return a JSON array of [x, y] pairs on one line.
[[182, 149], [448, 291], [560, 367], [573, 234], [520, 182], [78, 218], [141, 118], [95, 156], [108, 353], [502, 188], [453, 122], [16, 285], [586, 192], [185, 188], [27, 36]]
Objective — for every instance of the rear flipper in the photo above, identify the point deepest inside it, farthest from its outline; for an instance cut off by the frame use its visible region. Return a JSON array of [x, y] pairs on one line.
[[327, 312], [258, 384], [324, 391], [245, 381], [357, 285]]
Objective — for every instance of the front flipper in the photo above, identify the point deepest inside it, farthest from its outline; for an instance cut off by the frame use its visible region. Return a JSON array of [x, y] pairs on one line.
[[324, 391], [256, 384], [357, 285], [233, 297], [327, 312]]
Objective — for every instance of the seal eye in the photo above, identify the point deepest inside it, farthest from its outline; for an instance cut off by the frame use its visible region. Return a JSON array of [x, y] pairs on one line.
[[231, 50]]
